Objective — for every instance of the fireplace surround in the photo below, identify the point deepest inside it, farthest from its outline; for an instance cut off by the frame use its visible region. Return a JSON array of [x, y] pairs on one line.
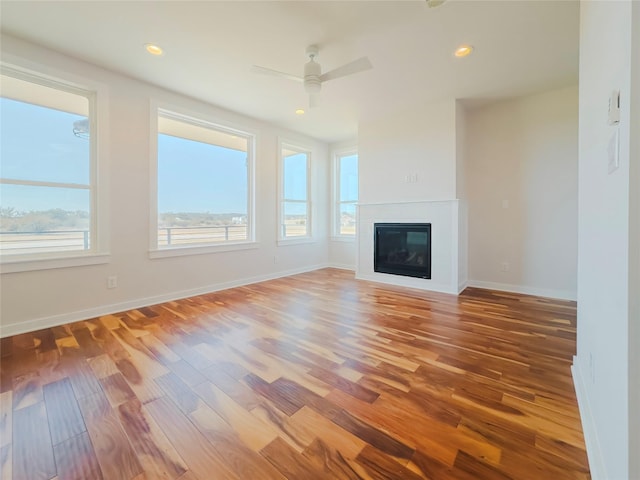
[[403, 249]]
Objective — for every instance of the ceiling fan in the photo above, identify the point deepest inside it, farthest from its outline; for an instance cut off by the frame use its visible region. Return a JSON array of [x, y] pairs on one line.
[[313, 78]]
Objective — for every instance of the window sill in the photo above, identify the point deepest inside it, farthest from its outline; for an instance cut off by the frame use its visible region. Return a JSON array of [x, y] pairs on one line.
[[344, 238], [11, 265], [200, 250], [295, 241]]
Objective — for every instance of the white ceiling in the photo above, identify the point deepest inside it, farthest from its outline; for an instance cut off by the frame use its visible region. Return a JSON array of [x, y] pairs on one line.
[[521, 47]]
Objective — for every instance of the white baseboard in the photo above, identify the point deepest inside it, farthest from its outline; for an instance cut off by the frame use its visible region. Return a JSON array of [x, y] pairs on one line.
[[462, 286], [539, 292], [78, 315], [594, 453], [407, 282], [342, 266]]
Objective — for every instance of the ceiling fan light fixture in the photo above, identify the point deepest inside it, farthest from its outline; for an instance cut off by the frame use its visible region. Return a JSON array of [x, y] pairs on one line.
[[312, 85], [300, 111], [312, 71]]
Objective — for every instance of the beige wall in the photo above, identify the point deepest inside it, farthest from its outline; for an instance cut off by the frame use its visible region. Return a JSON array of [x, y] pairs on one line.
[[521, 183]]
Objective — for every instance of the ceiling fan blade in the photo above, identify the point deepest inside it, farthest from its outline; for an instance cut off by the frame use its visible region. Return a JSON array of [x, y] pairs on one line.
[[275, 73], [359, 65]]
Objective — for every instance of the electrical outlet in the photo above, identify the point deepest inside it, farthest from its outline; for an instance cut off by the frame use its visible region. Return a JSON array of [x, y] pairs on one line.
[[276, 259], [112, 281], [505, 266]]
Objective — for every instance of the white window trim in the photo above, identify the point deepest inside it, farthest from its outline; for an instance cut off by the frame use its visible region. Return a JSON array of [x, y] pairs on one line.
[[209, 121], [336, 236], [309, 237], [97, 95]]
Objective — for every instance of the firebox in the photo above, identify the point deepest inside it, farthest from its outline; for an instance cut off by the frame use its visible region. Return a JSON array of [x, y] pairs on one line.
[[403, 249]]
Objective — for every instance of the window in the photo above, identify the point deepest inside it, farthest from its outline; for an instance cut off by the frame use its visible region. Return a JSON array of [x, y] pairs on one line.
[[346, 194], [295, 204], [204, 183], [47, 182]]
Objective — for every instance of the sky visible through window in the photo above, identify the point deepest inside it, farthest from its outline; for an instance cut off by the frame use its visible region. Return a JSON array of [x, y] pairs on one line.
[[349, 178], [200, 178], [295, 184], [38, 144]]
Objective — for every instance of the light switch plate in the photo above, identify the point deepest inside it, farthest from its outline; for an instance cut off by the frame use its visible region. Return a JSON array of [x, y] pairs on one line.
[[613, 151]]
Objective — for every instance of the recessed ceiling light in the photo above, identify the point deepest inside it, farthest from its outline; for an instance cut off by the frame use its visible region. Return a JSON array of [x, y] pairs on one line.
[[153, 49], [463, 50], [299, 111]]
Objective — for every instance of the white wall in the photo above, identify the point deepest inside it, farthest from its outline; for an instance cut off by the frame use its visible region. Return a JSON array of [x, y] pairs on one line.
[[605, 376], [407, 169], [461, 191], [31, 300], [521, 182], [634, 249], [420, 143]]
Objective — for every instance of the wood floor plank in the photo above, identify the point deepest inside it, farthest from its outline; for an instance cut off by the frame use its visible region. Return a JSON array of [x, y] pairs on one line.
[[63, 413], [317, 375], [186, 400], [281, 400], [381, 466], [117, 389], [297, 434], [187, 373], [158, 457], [348, 444], [6, 417], [83, 379], [117, 459], [331, 462], [6, 466], [289, 462], [242, 460], [254, 432], [344, 384], [239, 392], [76, 459], [194, 448], [32, 448], [27, 390]]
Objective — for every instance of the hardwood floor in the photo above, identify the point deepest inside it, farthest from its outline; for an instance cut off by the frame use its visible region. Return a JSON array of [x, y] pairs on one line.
[[315, 376]]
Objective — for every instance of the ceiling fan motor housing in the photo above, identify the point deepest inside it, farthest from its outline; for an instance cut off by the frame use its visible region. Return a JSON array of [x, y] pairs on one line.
[[312, 77]]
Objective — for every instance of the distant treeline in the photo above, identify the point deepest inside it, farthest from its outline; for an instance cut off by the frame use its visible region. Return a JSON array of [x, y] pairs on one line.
[[194, 219], [13, 220]]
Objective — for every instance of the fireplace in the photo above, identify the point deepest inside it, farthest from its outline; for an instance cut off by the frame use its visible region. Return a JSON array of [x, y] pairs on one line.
[[403, 249]]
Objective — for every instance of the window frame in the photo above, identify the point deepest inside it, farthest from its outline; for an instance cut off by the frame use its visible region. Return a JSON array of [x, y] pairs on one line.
[[299, 148], [204, 120], [96, 95], [336, 201]]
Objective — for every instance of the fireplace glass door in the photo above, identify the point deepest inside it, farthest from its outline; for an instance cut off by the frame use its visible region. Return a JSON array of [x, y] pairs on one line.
[[403, 249]]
